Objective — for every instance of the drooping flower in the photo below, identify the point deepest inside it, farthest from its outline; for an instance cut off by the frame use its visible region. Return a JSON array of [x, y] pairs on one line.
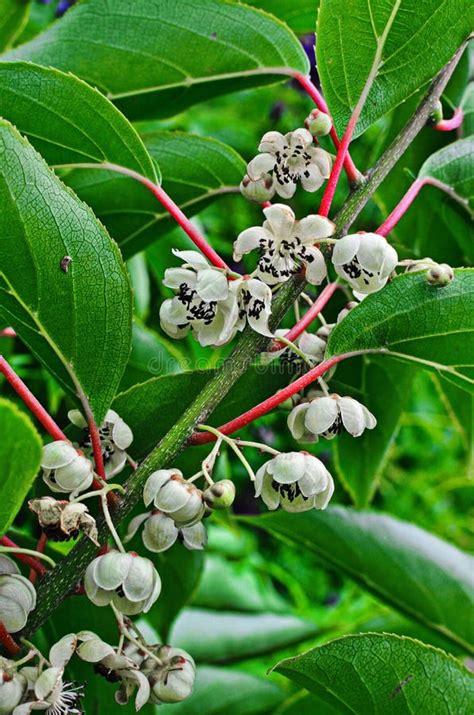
[[182, 501], [63, 520], [329, 416], [286, 245], [365, 260], [160, 532], [17, 596], [173, 681], [115, 438], [203, 302], [64, 470], [296, 481], [129, 581], [290, 158], [254, 302], [12, 686]]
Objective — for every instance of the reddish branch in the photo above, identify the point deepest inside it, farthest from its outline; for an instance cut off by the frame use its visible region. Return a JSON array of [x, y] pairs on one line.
[[308, 317]]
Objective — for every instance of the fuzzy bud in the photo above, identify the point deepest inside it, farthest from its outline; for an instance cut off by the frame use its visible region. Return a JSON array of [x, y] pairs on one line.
[[440, 275], [220, 495], [260, 190], [318, 123]]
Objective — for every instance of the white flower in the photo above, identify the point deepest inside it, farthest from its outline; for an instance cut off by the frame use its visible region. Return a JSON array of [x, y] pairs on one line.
[[64, 470], [295, 481], [203, 302], [254, 302], [115, 438], [328, 416], [260, 190], [365, 260], [52, 694], [173, 681], [128, 581], [286, 245], [12, 686], [63, 520], [173, 495], [17, 596], [291, 158], [160, 532]]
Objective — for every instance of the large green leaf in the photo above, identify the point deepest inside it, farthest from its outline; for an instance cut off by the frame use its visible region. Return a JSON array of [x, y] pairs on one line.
[[151, 408], [383, 674], [76, 321], [395, 47], [218, 637], [384, 389], [13, 18], [181, 53], [415, 321], [300, 16], [222, 691], [68, 121], [404, 565], [20, 455], [195, 171]]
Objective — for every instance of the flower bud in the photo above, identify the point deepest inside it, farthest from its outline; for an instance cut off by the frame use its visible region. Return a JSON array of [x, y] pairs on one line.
[[17, 600], [259, 190], [318, 123], [436, 115], [64, 470], [129, 581], [220, 495], [173, 681], [173, 495], [440, 275], [61, 520]]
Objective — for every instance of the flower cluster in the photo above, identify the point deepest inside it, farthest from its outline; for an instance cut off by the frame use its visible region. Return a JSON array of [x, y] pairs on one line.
[[17, 596]]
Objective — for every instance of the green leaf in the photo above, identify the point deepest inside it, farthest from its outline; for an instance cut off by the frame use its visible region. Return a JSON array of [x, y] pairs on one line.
[[460, 408], [77, 322], [20, 455], [392, 47], [303, 703], [360, 463], [219, 637], [468, 107], [181, 53], [299, 16], [383, 674], [151, 408], [68, 121], [195, 171], [414, 321], [151, 355], [222, 691], [407, 567], [13, 18]]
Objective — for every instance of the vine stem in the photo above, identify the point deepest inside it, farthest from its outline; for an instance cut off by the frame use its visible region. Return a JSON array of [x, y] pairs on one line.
[[31, 402], [309, 316], [167, 202], [269, 404], [351, 170], [26, 556], [447, 125], [400, 210]]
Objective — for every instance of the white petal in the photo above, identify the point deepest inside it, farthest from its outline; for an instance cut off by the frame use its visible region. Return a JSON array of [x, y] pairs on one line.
[[371, 251], [135, 524], [299, 137], [212, 285], [111, 569], [316, 270], [94, 650], [311, 178], [12, 614], [296, 420], [287, 468], [172, 495], [61, 652], [272, 142], [286, 191], [160, 533], [194, 537], [312, 345], [321, 500], [122, 435], [345, 249], [193, 258], [322, 413], [175, 277], [57, 454], [174, 314], [259, 476], [353, 417], [270, 496], [249, 240], [321, 159], [143, 693], [312, 228], [155, 481], [281, 220], [260, 165], [7, 566], [138, 584], [76, 418]]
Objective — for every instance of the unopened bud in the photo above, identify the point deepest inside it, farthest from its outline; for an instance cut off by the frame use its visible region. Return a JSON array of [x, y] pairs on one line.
[[440, 275], [220, 495], [260, 190], [318, 123]]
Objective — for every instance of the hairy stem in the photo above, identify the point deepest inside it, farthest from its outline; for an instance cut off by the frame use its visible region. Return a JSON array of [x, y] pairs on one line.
[[56, 585]]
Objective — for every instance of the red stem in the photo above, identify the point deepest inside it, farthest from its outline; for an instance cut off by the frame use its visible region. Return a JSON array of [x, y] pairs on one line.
[[401, 208], [31, 402], [7, 333], [351, 170], [330, 189], [271, 402], [10, 645], [40, 546], [447, 125], [309, 316], [24, 558], [96, 448]]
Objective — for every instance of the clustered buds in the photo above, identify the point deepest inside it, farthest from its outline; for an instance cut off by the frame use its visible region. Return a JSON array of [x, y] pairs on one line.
[[129, 581], [173, 495], [329, 416], [63, 520], [17, 596], [296, 481], [64, 469]]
